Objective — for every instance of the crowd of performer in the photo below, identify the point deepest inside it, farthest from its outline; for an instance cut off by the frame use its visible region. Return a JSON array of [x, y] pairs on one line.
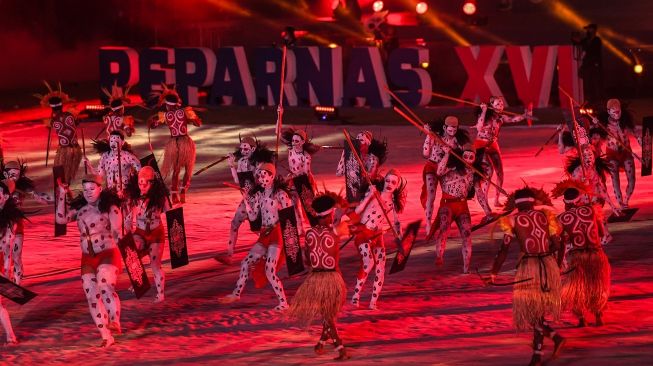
[[559, 267]]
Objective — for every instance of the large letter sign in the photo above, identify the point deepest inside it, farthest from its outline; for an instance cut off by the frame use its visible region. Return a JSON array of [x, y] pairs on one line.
[[481, 63], [366, 78], [318, 75], [233, 82], [157, 67], [118, 65], [532, 73], [568, 75], [406, 73], [268, 76], [194, 68]]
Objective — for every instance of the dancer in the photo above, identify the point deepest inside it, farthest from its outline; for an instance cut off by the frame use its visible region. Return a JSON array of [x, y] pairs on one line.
[[99, 222], [323, 292], [267, 198], [536, 292], [10, 215], [242, 163], [587, 286], [456, 181], [69, 154], [432, 149], [15, 171], [180, 148], [373, 153], [117, 161], [147, 201], [621, 127], [369, 232], [116, 118], [489, 123]]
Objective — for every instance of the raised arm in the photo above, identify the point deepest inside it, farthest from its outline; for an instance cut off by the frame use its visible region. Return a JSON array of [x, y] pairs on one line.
[[340, 171], [61, 216]]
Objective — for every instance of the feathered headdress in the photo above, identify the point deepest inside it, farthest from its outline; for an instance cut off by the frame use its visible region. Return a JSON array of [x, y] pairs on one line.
[[167, 96], [54, 98], [561, 187], [117, 97], [538, 196], [379, 149]]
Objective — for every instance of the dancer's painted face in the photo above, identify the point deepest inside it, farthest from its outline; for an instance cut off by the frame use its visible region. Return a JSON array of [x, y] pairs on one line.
[[615, 113], [450, 130], [13, 174], [595, 139], [91, 192], [497, 104], [469, 156], [246, 149], [4, 196], [297, 141], [264, 178], [144, 185], [391, 183], [363, 138], [588, 156], [115, 142]]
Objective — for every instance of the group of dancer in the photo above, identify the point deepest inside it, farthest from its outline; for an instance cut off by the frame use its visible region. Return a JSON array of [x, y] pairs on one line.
[[121, 196]]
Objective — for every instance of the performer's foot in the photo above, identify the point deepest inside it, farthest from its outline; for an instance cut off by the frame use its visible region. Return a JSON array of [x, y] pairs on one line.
[[319, 348], [607, 238], [439, 261], [599, 320], [175, 197], [281, 307], [342, 354], [372, 305], [355, 301], [107, 342], [558, 342], [231, 298], [465, 270], [497, 203], [224, 259], [536, 360], [182, 196], [11, 341], [115, 327], [159, 298], [581, 322]]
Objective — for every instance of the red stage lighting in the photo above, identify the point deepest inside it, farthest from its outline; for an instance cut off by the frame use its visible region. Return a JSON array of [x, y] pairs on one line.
[[469, 7], [421, 7]]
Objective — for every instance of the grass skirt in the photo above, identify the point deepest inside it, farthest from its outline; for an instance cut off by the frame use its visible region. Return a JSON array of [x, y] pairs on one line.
[[69, 157], [321, 295], [179, 152], [587, 287], [530, 303]]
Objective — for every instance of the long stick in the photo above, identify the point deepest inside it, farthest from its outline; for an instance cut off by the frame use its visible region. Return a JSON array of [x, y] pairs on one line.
[[623, 144], [439, 139], [576, 132], [280, 107], [369, 181], [47, 151], [443, 96], [211, 165], [547, 142], [81, 130]]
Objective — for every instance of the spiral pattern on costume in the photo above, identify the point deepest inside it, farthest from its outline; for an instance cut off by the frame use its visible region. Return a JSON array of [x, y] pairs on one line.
[[327, 260], [526, 222]]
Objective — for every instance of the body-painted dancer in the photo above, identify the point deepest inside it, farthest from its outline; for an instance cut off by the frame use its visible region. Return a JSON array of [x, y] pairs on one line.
[[323, 292], [373, 153], [116, 119], [267, 199], [536, 292], [99, 221]]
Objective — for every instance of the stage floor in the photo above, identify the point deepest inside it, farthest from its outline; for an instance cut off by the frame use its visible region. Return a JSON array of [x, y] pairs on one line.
[[427, 314]]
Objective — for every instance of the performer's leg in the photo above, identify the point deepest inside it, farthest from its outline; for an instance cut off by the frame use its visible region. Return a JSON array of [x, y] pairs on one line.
[[629, 167], [367, 263], [6, 255], [616, 185], [107, 274], [497, 164], [96, 307], [6, 324], [273, 255], [324, 337], [379, 258], [337, 342], [239, 217], [156, 253], [558, 340], [17, 257], [444, 222], [297, 202], [174, 183], [431, 184], [185, 183], [538, 342], [253, 256], [464, 223]]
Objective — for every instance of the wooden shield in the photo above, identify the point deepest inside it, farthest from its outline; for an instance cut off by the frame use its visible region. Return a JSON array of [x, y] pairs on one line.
[[405, 247], [647, 145], [246, 181], [353, 175], [291, 244], [134, 265], [58, 173], [15, 293], [305, 191], [627, 214], [177, 237], [150, 160]]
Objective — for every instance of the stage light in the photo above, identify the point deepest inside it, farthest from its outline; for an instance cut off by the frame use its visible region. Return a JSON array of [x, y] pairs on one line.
[[333, 45], [421, 7], [638, 69], [377, 6], [469, 7], [326, 113], [425, 64]]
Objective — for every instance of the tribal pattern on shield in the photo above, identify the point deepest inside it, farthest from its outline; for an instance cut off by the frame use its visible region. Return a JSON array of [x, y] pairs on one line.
[[291, 240], [134, 267], [646, 149], [352, 176], [177, 238]]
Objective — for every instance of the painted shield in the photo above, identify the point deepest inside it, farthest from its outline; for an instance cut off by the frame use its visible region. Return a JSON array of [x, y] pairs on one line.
[[305, 191], [291, 243], [58, 173], [405, 247], [647, 145], [177, 237], [134, 265], [15, 293], [246, 181], [353, 175]]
